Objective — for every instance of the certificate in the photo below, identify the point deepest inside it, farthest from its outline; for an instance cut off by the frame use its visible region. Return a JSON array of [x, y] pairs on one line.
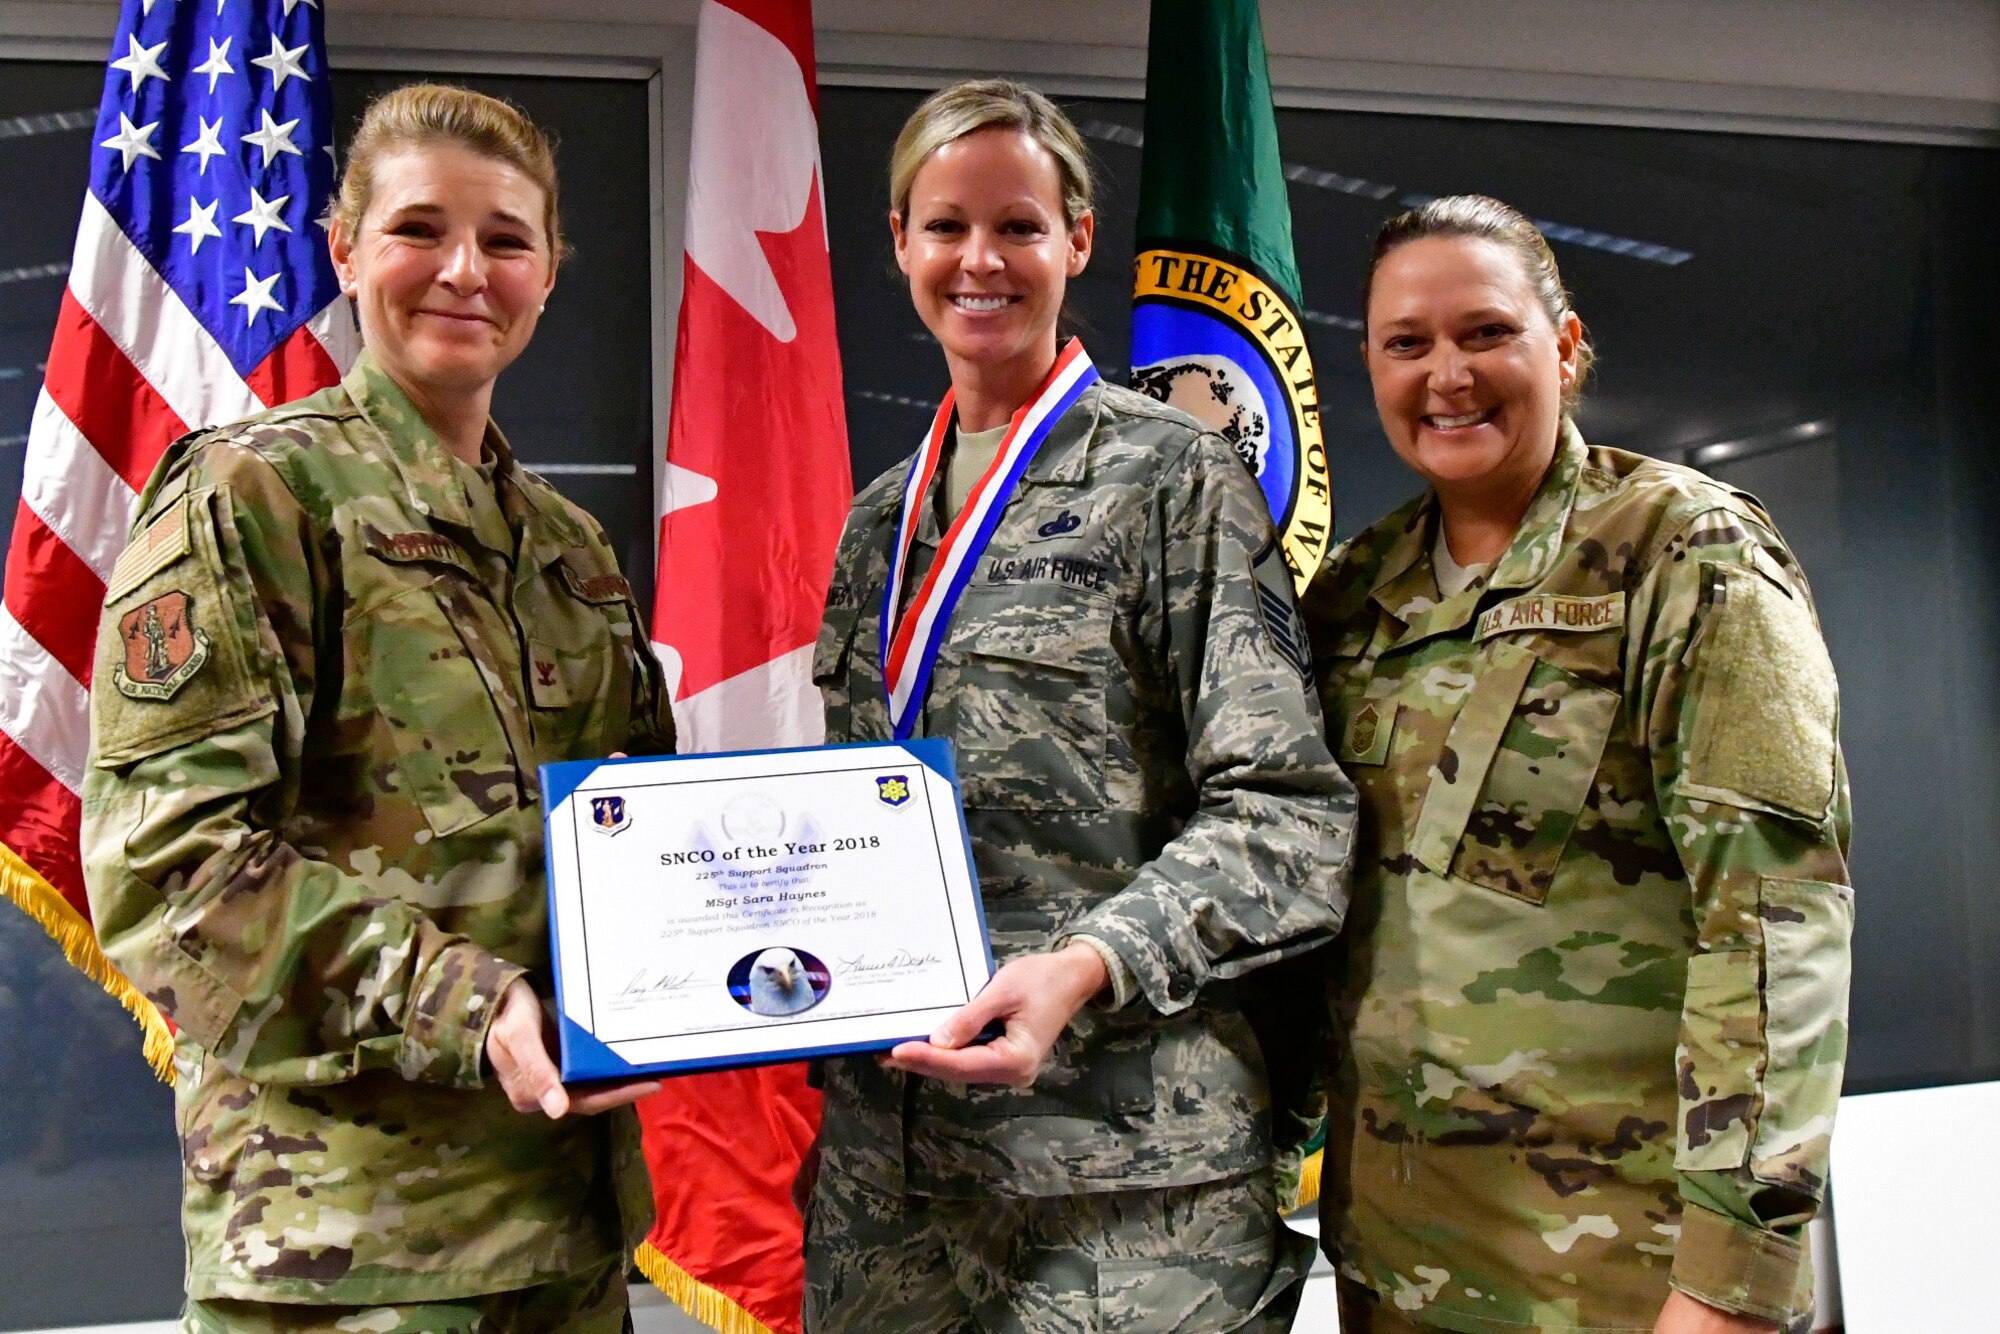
[[709, 911]]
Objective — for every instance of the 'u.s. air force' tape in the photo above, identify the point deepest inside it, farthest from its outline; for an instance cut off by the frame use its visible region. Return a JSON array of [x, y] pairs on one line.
[[1552, 611]]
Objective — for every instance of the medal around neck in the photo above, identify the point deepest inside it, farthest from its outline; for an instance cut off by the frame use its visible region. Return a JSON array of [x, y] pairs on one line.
[[910, 642], [712, 911]]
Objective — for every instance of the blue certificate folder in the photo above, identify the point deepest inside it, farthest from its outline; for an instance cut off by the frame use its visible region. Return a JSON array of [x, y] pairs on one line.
[[755, 907]]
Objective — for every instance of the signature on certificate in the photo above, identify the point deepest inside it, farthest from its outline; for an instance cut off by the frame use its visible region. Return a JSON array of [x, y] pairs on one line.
[[896, 961], [646, 983]]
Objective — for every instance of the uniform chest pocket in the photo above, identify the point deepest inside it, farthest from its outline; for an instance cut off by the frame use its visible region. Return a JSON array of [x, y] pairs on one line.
[[580, 653], [1029, 713], [1514, 774], [436, 705]]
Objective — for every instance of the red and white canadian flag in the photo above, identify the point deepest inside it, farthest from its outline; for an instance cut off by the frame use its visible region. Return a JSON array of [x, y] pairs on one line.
[[753, 493]]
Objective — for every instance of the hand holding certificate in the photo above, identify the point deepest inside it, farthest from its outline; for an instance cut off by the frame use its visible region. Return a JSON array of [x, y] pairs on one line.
[[719, 910], [1031, 1000]]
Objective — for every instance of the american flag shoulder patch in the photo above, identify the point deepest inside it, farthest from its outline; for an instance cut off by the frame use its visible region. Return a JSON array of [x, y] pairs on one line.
[[158, 545]]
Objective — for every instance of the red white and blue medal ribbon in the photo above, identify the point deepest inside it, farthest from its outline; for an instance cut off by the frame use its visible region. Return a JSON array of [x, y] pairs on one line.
[[910, 643]]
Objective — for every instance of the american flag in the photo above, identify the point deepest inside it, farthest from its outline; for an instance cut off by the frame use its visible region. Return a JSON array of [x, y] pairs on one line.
[[200, 291]]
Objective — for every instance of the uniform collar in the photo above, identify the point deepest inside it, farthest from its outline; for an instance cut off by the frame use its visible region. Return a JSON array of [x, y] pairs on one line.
[[1407, 588], [1063, 460], [1532, 554], [430, 482], [409, 442]]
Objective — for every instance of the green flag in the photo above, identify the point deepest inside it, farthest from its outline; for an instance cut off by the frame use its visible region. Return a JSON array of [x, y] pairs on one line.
[[1215, 317]]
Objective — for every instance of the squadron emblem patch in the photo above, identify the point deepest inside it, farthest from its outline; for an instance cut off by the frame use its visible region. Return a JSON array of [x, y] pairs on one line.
[[608, 815], [893, 790], [164, 647]]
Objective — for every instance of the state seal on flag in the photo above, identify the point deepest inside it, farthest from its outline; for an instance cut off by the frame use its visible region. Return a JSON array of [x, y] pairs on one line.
[[608, 815], [893, 790], [1214, 338]]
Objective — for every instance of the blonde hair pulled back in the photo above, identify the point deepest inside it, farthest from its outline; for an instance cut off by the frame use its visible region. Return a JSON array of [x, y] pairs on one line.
[[972, 105], [418, 114], [1486, 219]]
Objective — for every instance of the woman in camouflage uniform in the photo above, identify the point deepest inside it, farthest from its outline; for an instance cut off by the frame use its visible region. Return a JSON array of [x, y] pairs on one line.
[[1152, 808], [346, 634], [1593, 995]]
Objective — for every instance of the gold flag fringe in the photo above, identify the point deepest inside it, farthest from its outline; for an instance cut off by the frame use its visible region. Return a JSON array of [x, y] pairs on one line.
[[35, 896], [1309, 1172], [708, 1305]]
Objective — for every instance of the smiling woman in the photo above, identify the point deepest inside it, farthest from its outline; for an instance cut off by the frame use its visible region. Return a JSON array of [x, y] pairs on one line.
[[446, 233], [1603, 877], [349, 632], [1079, 586]]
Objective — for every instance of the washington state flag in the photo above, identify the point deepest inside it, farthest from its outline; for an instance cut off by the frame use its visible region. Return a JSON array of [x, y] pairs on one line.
[[1215, 317]]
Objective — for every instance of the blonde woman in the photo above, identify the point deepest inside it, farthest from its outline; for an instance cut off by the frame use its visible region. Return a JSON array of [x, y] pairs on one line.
[[352, 629], [1080, 588]]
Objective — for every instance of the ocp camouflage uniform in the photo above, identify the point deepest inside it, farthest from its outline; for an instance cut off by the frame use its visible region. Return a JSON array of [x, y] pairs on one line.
[[1594, 988], [330, 664], [1142, 766]]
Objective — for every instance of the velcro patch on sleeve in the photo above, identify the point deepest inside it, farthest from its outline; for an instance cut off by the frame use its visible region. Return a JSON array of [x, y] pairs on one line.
[[1552, 611], [1767, 702], [160, 544]]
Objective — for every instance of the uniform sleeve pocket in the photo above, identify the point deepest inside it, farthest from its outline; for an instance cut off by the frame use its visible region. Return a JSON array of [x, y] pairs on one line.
[[1720, 1060], [174, 647], [1767, 705], [1808, 926]]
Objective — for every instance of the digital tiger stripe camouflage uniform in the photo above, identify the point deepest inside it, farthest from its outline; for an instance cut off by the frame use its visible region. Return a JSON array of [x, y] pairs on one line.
[[1125, 683], [1593, 989], [319, 850]]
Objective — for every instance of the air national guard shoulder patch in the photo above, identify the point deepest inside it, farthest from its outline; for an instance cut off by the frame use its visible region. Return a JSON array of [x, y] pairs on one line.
[[164, 647]]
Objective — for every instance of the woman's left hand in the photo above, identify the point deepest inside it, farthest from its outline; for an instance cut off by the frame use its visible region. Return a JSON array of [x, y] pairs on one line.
[[1035, 996], [1684, 1315]]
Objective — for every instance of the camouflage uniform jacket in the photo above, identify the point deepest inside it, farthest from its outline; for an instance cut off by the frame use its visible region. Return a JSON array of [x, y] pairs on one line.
[[1124, 683], [1594, 992], [328, 669]]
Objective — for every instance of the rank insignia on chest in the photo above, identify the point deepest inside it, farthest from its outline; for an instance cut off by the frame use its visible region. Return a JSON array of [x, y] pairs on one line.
[[545, 678], [893, 789], [164, 647], [1368, 734], [607, 815]]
